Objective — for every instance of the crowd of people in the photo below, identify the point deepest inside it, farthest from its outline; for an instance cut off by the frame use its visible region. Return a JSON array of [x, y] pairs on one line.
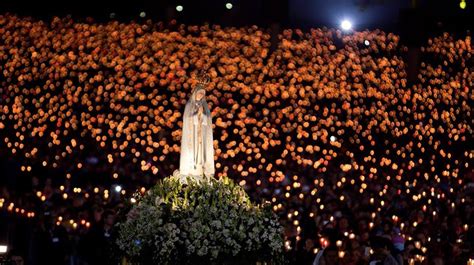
[[358, 164]]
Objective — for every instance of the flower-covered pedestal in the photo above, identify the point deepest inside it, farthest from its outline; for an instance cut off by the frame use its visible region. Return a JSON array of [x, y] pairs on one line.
[[199, 222]]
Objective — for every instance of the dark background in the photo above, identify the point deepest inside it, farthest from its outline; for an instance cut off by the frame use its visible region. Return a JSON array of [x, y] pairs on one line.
[[392, 15]]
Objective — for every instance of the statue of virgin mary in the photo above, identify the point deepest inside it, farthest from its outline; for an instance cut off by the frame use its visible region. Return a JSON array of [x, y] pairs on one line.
[[197, 150]]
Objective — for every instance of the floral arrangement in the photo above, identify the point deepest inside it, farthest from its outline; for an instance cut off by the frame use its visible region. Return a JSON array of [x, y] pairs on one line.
[[199, 222]]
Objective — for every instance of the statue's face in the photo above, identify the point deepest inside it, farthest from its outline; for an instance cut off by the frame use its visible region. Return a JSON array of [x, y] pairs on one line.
[[200, 94]]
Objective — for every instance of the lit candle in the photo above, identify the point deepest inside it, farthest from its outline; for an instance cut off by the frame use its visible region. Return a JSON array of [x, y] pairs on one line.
[[341, 254]]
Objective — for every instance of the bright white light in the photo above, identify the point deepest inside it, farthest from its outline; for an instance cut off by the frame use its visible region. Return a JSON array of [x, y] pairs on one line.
[[3, 249], [228, 5], [179, 8], [346, 24], [118, 188], [367, 42], [142, 14], [332, 138]]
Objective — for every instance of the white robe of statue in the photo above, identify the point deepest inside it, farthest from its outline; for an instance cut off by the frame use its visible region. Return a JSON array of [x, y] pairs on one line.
[[197, 150]]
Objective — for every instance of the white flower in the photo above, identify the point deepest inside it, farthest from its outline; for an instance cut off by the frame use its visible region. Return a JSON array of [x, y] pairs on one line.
[[216, 223], [214, 253], [202, 251], [159, 201], [176, 174], [251, 221]]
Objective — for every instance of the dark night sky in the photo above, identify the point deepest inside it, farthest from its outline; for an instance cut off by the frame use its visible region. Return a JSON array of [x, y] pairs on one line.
[[331, 12], [370, 14], [385, 14]]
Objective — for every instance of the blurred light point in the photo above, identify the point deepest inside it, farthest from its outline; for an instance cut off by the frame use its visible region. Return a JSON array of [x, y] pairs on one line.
[[332, 138], [142, 14], [112, 15], [118, 188], [346, 25], [179, 8], [462, 4], [367, 42], [3, 249], [228, 5]]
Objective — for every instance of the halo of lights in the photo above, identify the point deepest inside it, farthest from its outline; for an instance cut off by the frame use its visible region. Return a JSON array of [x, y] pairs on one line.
[[228, 6], [179, 8]]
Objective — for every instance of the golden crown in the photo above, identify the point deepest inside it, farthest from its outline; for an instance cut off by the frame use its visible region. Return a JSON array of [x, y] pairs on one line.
[[203, 78]]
